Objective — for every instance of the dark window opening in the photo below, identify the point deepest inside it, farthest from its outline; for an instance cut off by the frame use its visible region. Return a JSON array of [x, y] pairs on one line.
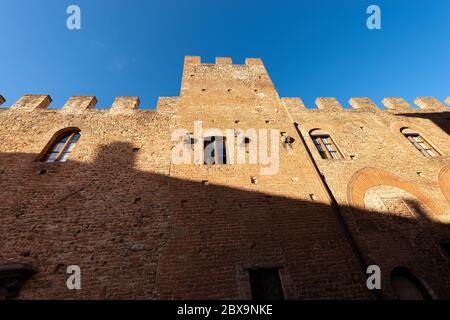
[[446, 247], [407, 286], [266, 284], [215, 151]]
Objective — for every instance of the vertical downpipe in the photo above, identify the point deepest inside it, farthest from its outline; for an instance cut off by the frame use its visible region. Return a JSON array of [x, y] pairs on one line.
[[335, 206]]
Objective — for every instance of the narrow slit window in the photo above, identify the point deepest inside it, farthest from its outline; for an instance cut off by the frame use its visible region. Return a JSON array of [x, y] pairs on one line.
[[63, 146], [420, 143], [266, 284], [325, 145]]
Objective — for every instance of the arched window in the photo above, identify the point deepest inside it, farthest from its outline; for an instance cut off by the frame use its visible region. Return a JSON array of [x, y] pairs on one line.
[[215, 151], [407, 286], [325, 145], [61, 148], [419, 143], [13, 278]]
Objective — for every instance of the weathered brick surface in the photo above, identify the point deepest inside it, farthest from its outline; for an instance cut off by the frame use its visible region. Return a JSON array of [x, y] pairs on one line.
[[141, 227], [30, 102], [250, 224], [377, 155]]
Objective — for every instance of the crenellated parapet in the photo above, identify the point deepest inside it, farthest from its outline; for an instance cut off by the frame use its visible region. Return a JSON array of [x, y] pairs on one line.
[[391, 104], [130, 105], [75, 104], [196, 60], [226, 84]]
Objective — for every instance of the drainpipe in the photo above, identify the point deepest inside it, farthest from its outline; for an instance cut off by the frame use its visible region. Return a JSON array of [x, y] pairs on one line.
[[334, 205]]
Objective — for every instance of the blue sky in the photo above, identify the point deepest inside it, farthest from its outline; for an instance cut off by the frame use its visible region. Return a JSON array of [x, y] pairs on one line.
[[311, 48]]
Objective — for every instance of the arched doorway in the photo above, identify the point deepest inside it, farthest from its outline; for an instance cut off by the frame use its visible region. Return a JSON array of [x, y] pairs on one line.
[[406, 286]]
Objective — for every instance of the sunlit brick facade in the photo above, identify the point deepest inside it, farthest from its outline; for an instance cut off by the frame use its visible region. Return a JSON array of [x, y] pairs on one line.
[[141, 227]]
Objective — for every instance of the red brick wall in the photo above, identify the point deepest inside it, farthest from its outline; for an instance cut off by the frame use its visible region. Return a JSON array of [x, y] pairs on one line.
[[377, 154], [141, 227]]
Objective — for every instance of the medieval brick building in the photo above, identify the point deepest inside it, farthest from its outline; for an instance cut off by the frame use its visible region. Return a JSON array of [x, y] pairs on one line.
[[98, 189]]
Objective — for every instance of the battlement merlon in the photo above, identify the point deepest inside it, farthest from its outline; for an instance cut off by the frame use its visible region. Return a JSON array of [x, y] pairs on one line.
[[328, 104], [293, 106], [192, 60], [429, 104], [78, 104], [224, 60], [125, 105], [293, 103], [397, 104], [31, 102], [167, 104], [363, 103], [254, 62]]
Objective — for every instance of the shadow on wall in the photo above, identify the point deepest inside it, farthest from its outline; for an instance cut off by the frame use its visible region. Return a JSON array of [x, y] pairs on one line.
[[441, 119], [142, 235]]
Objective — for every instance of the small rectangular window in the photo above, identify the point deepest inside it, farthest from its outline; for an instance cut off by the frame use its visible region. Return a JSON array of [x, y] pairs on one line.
[[266, 284]]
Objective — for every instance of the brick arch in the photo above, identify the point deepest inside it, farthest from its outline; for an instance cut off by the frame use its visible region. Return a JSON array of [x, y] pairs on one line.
[[368, 178], [397, 126], [318, 125], [444, 182]]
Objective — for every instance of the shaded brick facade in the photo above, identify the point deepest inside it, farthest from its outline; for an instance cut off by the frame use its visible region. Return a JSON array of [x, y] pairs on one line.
[[141, 227]]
